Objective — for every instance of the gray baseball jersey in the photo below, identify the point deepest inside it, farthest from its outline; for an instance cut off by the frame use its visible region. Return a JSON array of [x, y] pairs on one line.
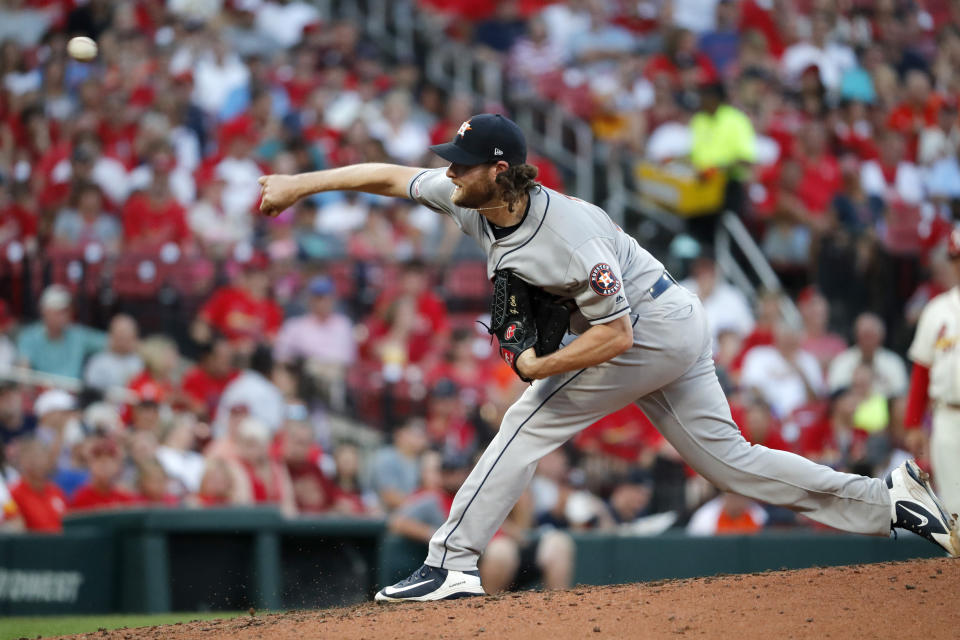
[[564, 245], [572, 248]]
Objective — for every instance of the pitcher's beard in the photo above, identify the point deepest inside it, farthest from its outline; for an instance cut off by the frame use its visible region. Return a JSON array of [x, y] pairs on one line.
[[473, 197]]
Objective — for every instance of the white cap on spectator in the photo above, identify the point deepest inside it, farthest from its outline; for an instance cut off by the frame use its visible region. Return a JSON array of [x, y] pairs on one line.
[[53, 400], [103, 415], [55, 297]]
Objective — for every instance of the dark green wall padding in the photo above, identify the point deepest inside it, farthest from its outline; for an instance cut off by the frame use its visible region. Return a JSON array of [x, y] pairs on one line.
[[155, 560]]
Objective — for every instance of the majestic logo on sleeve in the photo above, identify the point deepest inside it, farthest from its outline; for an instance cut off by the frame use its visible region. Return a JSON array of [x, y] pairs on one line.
[[603, 281], [463, 128]]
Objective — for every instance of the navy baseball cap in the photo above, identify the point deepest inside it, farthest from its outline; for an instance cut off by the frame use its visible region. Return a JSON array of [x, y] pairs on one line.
[[484, 138]]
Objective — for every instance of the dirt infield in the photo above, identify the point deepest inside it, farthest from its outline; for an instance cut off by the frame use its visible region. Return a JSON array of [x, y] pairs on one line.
[[918, 599]]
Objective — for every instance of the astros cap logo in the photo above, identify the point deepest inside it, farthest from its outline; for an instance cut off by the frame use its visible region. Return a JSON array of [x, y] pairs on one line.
[[463, 128]]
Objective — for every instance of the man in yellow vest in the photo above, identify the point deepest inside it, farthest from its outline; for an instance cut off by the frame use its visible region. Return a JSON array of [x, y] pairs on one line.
[[723, 139]]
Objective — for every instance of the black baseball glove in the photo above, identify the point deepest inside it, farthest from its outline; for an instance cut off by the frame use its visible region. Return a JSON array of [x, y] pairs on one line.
[[523, 316]]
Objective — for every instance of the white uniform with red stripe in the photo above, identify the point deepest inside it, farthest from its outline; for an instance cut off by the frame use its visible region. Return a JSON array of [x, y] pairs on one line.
[[936, 346], [571, 248]]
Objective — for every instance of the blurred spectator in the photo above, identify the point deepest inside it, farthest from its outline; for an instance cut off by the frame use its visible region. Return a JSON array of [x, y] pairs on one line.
[[152, 484], [86, 222], [600, 41], [783, 374], [10, 516], [211, 224], [889, 370], [768, 315], [103, 490], [217, 486], [204, 383], [8, 351], [758, 424], [57, 424], [323, 336], [722, 41], [40, 502], [532, 57], [14, 421], [395, 468], [409, 323], [161, 367], [630, 498], [347, 479], [501, 30], [254, 390], [243, 312], [829, 57], [55, 344], [178, 455], [726, 306], [818, 340], [403, 138], [153, 217], [448, 428], [116, 365], [727, 514], [257, 478]]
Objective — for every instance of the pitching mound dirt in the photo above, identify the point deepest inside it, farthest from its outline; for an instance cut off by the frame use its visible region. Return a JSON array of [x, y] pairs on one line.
[[917, 599]]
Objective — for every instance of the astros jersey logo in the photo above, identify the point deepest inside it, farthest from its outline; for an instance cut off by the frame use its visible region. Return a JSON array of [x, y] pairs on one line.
[[603, 281], [463, 128]]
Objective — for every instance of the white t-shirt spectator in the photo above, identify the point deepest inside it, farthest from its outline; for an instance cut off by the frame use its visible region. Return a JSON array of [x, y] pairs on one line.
[[530, 60], [215, 80], [242, 189], [562, 24], [889, 371], [213, 224], [108, 174], [907, 184], [341, 217], [186, 467], [727, 308], [261, 397], [698, 16], [405, 143], [284, 23], [780, 383], [107, 369], [831, 61]]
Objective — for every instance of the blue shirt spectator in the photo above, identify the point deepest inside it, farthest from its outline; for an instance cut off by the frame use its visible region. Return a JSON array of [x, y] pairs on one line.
[[54, 344]]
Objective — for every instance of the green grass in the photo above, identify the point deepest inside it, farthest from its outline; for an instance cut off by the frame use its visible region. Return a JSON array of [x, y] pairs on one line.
[[31, 627]]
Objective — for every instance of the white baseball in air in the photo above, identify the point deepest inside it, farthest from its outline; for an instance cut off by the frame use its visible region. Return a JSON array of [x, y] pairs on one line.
[[82, 48]]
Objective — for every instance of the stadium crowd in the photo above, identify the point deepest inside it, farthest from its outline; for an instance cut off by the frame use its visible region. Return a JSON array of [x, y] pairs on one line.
[[162, 345]]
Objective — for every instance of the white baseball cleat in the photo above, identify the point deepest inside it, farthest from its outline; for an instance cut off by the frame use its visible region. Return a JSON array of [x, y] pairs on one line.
[[431, 583], [915, 507]]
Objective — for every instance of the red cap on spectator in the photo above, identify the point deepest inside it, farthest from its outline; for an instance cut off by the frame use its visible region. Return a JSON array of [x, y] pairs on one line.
[[953, 244], [184, 77], [206, 175], [241, 127], [149, 393]]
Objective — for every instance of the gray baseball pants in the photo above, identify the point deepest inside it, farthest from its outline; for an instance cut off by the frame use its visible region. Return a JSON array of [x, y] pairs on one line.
[[669, 373]]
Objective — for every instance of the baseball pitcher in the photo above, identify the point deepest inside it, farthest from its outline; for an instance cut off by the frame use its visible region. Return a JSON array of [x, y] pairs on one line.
[[635, 335]]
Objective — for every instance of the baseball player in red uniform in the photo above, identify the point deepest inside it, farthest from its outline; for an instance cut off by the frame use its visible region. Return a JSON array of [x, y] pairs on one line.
[[935, 382], [636, 336]]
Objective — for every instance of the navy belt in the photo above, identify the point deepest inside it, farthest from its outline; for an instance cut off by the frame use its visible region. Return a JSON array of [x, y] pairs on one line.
[[665, 282]]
